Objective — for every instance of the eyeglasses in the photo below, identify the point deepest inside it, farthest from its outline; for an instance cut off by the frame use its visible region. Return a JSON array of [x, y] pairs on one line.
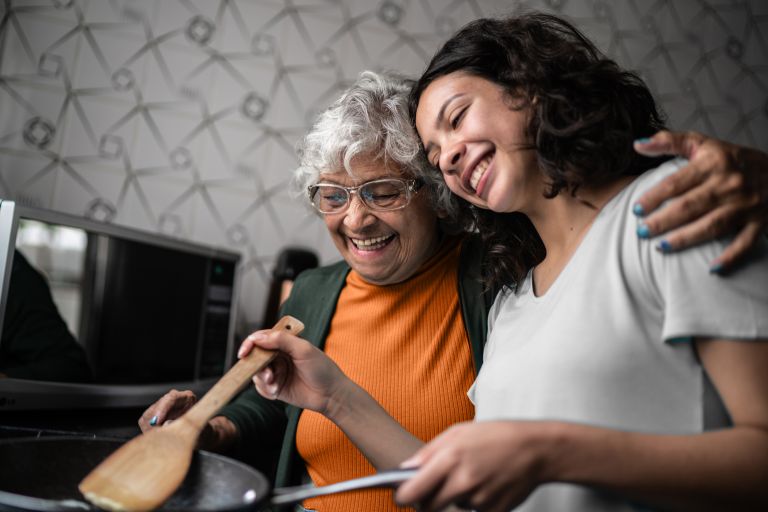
[[380, 195]]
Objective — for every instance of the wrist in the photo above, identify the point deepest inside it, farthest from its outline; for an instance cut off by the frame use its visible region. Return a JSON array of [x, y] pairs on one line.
[[548, 443], [343, 403], [578, 454], [219, 436]]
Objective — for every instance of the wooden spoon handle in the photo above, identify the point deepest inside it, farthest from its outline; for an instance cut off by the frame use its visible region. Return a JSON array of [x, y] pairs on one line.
[[237, 376]]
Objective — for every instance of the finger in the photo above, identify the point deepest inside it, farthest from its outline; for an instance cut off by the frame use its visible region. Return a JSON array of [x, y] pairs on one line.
[[155, 414], [245, 347], [670, 143], [738, 248], [148, 420], [459, 486], [715, 224], [422, 487], [268, 391], [249, 342], [266, 375], [692, 206], [425, 453], [290, 344], [173, 405], [677, 183]]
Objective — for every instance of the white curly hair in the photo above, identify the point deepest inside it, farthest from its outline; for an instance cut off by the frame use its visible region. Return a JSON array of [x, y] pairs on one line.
[[370, 119]]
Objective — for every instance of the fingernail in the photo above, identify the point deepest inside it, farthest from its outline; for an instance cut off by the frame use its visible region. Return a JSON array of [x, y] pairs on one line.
[[643, 140], [717, 268], [638, 210], [664, 246], [153, 421], [643, 231]]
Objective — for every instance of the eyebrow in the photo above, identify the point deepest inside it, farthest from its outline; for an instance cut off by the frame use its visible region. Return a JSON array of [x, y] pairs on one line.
[[440, 117], [332, 181]]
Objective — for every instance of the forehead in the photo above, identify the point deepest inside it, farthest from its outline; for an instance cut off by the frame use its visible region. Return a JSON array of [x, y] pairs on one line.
[[448, 88], [363, 170]]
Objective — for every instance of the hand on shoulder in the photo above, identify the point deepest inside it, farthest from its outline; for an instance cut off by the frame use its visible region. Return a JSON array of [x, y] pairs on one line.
[[722, 190]]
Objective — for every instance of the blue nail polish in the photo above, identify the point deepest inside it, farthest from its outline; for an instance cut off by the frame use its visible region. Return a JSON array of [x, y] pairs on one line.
[[642, 140], [153, 421], [643, 231], [717, 268], [664, 246], [638, 210]]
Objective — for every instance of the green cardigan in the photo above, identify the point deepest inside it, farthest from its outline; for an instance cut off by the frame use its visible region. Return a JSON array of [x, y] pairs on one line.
[[268, 428]]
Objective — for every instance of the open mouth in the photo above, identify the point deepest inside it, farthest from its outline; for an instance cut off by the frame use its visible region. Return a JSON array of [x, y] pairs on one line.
[[373, 243], [479, 171]]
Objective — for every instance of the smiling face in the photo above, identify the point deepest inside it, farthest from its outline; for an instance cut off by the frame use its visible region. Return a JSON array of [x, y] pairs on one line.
[[383, 247], [479, 142]]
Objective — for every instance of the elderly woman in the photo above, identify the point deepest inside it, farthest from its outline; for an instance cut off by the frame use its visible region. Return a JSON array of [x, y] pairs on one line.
[[403, 315]]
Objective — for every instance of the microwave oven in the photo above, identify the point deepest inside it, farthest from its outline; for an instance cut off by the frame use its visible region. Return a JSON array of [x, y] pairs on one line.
[[149, 312]]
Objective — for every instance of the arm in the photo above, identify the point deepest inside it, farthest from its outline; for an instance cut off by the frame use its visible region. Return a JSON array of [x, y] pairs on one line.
[[495, 465], [722, 190], [304, 376]]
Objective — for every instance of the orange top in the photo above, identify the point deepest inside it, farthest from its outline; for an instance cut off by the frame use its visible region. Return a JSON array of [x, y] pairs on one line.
[[406, 345]]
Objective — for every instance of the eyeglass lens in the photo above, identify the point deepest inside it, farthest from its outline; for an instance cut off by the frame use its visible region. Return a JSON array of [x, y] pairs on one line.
[[377, 195]]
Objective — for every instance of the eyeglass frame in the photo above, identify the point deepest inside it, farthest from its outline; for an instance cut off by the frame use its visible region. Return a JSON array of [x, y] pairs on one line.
[[412, 187]]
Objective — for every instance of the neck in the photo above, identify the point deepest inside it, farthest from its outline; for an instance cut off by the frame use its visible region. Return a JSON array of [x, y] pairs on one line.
[[562, 223], [563, 220]]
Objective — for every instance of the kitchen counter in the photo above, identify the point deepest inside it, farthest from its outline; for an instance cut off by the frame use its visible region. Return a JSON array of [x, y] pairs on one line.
[[109, 423]]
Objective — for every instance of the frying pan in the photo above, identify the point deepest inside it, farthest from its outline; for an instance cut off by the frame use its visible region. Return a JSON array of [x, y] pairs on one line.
[[42, 474]]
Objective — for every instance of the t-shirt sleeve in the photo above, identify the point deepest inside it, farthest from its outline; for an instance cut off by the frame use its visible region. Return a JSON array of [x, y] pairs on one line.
[[698, 303]]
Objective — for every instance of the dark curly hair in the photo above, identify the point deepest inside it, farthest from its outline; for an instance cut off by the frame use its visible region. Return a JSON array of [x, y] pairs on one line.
[[585, 113]]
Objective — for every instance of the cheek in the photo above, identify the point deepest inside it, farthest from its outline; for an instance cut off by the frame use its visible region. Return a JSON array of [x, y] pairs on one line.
[[332, 223]]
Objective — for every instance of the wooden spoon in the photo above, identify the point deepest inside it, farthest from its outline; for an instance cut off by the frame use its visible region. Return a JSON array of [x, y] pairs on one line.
[[145, 471]]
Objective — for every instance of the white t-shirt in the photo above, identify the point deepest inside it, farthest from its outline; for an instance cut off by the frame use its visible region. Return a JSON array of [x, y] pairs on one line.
[[608, 344]]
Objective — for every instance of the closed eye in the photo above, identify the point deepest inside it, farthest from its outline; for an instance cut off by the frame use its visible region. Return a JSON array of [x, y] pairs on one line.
[[457, 118]]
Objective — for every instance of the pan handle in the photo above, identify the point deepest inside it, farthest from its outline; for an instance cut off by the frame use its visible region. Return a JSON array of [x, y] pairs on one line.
[[291, 495], [19, 502]]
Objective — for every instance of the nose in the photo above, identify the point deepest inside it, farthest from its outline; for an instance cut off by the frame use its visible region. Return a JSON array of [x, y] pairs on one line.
[[450, 160], [358, 215]]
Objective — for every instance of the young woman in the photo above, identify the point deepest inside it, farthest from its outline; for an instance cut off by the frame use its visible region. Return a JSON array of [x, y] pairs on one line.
[[620, 378]]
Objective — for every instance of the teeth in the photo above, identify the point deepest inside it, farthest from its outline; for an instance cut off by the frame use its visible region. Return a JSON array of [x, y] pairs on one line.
[[480, 169], [370, 244]]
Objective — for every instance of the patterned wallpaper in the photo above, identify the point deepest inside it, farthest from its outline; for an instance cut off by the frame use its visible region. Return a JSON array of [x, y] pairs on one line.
[[181, 116]]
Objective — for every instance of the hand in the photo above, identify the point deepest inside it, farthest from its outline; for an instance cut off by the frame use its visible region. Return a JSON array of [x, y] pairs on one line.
[[722, 190], [483, 466], [301, 374], [170, 406], [218, 435]]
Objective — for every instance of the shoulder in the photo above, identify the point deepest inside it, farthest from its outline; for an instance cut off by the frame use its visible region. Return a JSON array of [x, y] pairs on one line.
[[651, 177], [313, 299], [319, 283]]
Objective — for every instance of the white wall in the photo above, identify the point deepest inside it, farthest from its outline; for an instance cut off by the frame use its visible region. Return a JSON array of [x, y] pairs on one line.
[[180, 117]]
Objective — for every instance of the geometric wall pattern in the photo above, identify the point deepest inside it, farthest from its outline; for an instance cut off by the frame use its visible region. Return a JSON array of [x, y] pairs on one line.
[[181, 116]]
